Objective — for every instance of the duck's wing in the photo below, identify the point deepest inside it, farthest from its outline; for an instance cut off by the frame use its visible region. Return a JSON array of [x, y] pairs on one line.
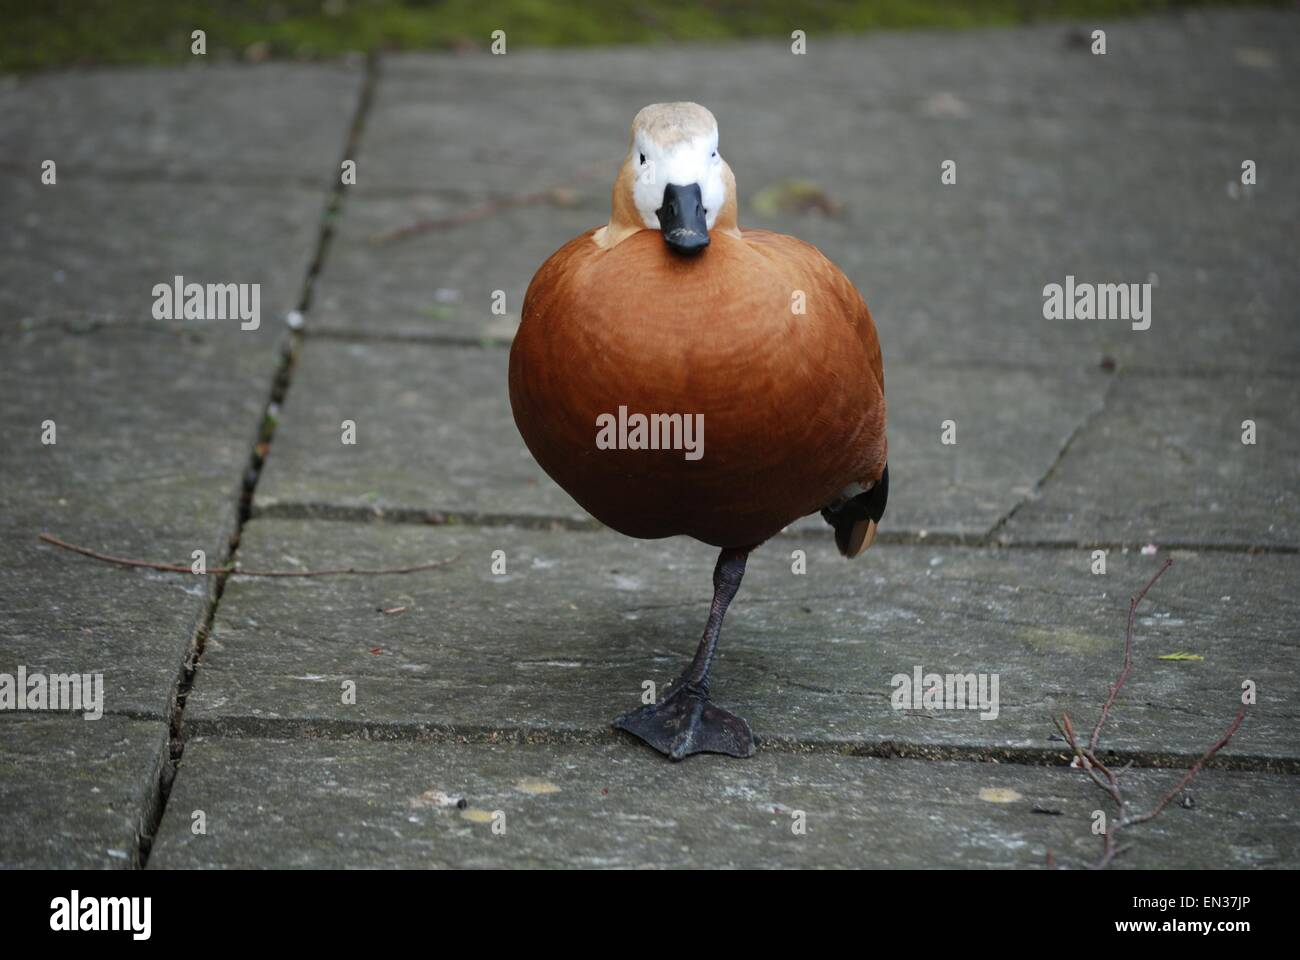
[[855, 517], [825, 276], [856, 511]]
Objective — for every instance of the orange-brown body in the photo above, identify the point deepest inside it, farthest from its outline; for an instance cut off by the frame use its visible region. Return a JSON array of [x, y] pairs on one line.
[[793, 403]]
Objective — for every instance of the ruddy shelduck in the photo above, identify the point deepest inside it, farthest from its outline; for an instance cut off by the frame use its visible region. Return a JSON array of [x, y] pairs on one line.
[[679, 375]]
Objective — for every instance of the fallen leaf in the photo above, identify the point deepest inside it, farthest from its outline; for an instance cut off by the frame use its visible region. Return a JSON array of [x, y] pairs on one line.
[[1256, 57], [999, 795], [794, 196], [257, 52], [944, 104], [1180, 656], [537, 786], [563, 196]]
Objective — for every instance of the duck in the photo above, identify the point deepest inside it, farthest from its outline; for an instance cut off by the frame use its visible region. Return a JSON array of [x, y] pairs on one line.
[[678, 375]]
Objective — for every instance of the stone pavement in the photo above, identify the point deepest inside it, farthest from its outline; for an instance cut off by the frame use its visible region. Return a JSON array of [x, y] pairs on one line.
[[224, 694]]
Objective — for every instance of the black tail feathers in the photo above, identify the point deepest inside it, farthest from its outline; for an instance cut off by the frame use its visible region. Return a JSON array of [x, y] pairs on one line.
[[855, 519]]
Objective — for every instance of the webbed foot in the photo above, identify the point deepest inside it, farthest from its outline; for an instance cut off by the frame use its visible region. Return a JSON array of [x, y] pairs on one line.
[[686, 722]]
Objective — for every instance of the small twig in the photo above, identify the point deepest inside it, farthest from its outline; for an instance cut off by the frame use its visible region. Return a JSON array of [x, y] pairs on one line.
[[1196, 768], [1107, 780], [561, 195], [1128, 655], [239, 571], [1112, 850]]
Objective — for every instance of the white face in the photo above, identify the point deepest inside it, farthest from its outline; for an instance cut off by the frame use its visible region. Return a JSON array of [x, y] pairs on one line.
[[688, 162]]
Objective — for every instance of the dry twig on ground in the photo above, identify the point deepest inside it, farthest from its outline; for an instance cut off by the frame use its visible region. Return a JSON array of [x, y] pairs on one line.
[[240, 571], [1107, 780], [563, 195]]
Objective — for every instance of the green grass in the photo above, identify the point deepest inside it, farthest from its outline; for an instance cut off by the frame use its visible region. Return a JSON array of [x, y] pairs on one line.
[[35, 34]]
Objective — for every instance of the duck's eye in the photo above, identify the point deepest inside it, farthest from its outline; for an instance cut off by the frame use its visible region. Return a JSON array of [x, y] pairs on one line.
[[643, 159], [715, 153]]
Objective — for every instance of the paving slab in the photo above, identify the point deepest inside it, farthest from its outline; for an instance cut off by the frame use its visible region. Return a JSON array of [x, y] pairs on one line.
[[64, 614], [75, 792], [1165, 463], [186, 122], [564, 640], [89, 252], [155, 419], [435, 435], [1111, 169], [441, 285], [1032, 70], [319, 804], [154, 429], [153, 433]]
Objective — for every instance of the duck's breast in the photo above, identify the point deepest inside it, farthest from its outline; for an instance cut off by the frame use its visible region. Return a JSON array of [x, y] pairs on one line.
[[760, 341]]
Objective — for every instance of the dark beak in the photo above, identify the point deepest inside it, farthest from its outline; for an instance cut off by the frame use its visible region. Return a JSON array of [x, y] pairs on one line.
[[681, 219]]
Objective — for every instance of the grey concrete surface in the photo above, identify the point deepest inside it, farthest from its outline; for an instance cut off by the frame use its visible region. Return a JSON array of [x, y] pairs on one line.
[[565, 639], [1071, 436], [155, 420], [76, 794], [89, 252], [356, 804], [190, 123], [153, 433], [1165, 462]]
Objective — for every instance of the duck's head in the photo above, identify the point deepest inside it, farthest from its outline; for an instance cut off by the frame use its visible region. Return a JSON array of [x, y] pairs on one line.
[[674, 180]]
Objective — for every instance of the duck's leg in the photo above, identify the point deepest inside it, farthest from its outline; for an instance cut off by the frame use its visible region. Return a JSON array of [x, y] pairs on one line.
[[687, 721]]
